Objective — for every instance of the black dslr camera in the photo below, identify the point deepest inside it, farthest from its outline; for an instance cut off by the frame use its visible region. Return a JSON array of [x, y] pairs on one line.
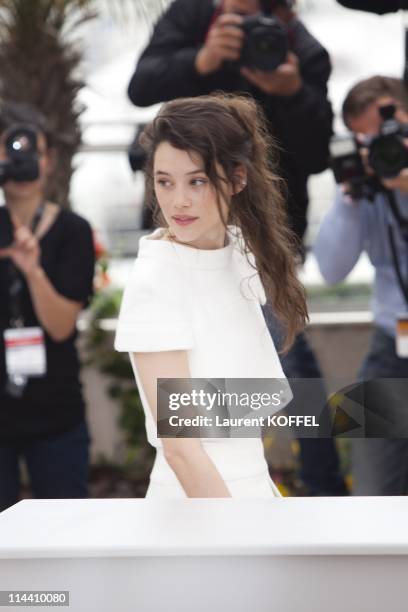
[[387, 156], [20, 143], [21, 164], [266, 42]]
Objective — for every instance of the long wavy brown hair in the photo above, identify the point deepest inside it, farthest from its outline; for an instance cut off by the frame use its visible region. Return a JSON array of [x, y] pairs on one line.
[[231, 131]]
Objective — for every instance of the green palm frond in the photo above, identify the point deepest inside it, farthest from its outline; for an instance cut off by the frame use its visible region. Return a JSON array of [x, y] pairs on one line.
[[39, 61], [38, 65]]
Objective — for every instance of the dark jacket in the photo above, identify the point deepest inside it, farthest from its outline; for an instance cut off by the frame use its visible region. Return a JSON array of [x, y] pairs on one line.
[[302, 123], [375, 6]]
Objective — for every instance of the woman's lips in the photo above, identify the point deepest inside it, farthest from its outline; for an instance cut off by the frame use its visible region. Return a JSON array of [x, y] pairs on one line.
[[184, 220]]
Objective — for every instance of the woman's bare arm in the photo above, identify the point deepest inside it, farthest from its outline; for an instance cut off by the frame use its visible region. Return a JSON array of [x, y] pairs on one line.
[[56, 313], [186, 456]]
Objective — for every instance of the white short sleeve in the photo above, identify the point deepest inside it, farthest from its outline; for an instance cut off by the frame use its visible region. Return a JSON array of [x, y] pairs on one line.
[[155, 313]]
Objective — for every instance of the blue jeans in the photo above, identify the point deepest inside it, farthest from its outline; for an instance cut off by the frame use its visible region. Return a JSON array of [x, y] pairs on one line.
[[57, 466], [380, 465], [320, 467]]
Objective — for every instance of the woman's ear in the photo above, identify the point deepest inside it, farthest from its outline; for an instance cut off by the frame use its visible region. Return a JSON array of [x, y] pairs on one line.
[[240, 178]]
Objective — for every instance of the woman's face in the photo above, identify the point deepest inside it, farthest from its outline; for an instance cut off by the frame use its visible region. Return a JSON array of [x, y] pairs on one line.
[[187, 199], [29, 189]]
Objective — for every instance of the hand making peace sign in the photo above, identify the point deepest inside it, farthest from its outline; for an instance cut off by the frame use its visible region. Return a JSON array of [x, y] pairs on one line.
[[25, 250]]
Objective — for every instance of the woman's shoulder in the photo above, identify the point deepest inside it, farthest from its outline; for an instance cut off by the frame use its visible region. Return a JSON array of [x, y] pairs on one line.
[[157, 271], [72, 219], [71, 227], [159, 257], [155, 312], [64, 227]]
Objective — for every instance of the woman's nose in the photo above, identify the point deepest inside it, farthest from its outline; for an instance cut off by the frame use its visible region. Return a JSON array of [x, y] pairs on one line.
[[182, 198]]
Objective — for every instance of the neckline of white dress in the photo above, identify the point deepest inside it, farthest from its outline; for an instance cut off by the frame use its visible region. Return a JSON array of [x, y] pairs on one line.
[[200, 258]]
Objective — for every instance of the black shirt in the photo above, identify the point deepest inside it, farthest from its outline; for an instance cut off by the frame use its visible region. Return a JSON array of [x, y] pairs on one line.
[[53, 403], [302, 123]]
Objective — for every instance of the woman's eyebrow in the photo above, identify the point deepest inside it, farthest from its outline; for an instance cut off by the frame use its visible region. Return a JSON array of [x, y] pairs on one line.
[[197, 170]]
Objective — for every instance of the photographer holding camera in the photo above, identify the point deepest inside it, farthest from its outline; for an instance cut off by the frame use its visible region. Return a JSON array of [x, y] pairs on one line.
[[199, 46], [371, 214], [258, 47], [46, 279]]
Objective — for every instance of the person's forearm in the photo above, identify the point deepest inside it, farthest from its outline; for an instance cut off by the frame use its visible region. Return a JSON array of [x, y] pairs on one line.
[[198, 475], [56, 314], [339, 242], [187, 457]]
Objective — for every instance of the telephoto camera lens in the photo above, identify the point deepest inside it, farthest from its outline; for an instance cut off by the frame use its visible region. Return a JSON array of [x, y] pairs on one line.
[[388, 156], [20, 143], [266, 43], [21, 149]]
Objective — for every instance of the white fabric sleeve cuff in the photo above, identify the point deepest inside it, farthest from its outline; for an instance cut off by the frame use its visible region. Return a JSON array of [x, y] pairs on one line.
[[147, 338]]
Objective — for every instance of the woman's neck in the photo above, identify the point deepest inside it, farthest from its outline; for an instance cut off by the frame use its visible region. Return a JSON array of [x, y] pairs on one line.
[[222, 242], [25, 208]]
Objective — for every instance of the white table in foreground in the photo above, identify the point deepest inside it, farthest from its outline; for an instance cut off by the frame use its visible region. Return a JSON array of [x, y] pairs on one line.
[[310, 554]]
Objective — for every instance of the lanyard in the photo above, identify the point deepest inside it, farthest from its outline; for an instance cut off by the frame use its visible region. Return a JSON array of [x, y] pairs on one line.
[[15, 385], [16, 279], [402, 222]]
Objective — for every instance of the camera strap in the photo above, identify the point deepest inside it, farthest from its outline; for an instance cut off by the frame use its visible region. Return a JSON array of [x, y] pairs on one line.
[[403, 225], [16, 279], [15, 384]]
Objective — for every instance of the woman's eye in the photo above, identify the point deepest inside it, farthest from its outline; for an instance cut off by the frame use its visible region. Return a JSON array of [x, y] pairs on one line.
[[195, 182]]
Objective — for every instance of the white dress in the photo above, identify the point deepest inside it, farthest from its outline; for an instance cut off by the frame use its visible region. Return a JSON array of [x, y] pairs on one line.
[[207, 302]]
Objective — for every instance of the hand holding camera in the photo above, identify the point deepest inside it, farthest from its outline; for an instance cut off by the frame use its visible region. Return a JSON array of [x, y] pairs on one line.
[[224, 42], [257, 42], [367, 166], [284, 81]]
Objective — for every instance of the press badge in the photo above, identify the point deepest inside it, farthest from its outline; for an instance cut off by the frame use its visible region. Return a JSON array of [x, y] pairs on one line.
[[401, 337], [25, 351]]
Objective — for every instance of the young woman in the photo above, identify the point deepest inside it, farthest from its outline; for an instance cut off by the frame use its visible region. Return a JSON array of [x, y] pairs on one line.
[[192, 306], [46, 279]]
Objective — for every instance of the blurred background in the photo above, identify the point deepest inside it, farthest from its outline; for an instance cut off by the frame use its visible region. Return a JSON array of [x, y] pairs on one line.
[[104, 190]]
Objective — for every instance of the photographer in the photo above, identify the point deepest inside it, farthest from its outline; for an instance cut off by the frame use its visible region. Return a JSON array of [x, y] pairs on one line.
[[201, 46], [196, 48], [46, 279], [371, 214]]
